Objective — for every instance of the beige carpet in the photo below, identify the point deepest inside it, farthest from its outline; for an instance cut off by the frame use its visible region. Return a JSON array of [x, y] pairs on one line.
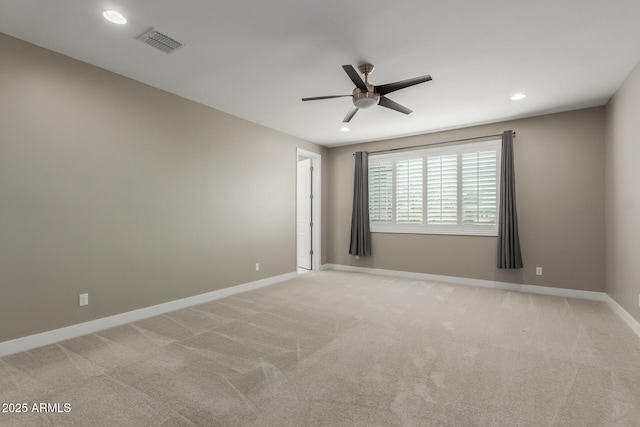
[[343, 349]]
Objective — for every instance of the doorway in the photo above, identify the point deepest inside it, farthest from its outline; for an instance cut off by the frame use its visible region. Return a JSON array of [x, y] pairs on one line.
[[308, 211]]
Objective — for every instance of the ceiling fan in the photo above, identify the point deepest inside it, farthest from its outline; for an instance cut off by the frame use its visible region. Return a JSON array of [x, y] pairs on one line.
[[366, 95]]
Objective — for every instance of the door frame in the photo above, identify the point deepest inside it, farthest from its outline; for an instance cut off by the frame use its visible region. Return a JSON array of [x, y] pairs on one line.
[[316, 209]]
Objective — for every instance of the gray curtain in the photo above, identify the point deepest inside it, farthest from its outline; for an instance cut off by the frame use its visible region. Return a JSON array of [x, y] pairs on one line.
[[360, 234], [509, 255]]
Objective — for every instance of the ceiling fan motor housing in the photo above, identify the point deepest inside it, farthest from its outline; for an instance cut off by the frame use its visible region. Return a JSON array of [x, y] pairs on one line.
[[365, 99]]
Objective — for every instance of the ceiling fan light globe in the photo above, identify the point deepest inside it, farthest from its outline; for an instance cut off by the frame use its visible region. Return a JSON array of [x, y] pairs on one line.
[[366, 100]]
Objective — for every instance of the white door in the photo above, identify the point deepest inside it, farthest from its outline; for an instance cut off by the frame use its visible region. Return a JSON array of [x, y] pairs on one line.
[[304, 201]]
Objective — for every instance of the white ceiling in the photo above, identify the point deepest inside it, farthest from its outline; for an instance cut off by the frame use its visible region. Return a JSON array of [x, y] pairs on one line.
[[256, 59]]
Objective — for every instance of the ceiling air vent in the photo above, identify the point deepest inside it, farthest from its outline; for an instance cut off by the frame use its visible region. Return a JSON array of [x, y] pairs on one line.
[[160, 41]]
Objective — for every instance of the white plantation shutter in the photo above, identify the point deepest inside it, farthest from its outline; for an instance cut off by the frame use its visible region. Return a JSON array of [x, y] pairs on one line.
[[440, 190], [479, 187], [409, 191], [380, 191]]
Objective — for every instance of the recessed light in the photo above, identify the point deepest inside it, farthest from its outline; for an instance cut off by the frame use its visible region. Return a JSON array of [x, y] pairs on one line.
[[344, 129], [115, 17], [518, 96]]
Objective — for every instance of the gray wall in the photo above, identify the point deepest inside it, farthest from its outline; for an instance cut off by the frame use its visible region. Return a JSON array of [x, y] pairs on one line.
[[136, 196], [623, 195], [559, 161]]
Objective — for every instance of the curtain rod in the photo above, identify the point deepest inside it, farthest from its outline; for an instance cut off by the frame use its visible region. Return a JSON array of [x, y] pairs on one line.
[[436, 143]]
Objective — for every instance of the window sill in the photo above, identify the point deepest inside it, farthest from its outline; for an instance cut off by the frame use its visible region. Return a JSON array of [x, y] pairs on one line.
[[449, 232]]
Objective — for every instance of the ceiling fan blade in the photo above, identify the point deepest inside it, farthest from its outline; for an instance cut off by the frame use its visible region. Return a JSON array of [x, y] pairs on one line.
[[352, 112], [386, 102], [392, 87], [354, 76], [325, 97]]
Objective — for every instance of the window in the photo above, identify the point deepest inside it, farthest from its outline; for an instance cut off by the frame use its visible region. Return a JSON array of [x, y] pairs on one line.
[[440, 190]]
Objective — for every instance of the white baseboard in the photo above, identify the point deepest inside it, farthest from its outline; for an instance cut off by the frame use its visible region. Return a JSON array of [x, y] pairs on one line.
[[624, 315], [532, 289], [50, 337]]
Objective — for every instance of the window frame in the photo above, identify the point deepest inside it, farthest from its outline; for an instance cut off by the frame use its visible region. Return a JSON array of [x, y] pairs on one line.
[[425, 228]]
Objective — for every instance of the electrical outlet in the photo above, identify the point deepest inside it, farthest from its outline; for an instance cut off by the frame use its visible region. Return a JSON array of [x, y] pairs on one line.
[[83, 299], [538, 271], [257, 266]]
